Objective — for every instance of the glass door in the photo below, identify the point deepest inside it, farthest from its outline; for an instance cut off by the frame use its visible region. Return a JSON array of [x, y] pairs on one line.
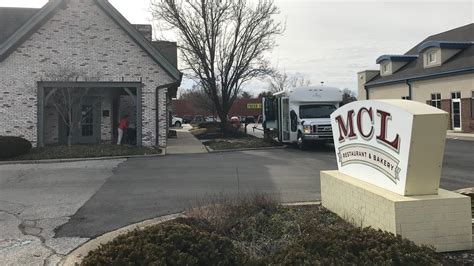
[[456, 110]]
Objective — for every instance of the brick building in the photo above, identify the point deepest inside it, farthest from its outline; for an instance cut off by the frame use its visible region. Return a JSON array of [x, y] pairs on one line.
[[438, 71], [241, 107], [116, 68]]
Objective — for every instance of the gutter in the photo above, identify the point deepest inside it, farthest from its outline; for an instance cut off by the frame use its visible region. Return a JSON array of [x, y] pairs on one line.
[[410, 91], [436, 75], [157, 93]]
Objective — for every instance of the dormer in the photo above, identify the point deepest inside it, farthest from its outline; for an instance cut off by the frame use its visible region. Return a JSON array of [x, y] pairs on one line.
[[435, 53], [390, 64]]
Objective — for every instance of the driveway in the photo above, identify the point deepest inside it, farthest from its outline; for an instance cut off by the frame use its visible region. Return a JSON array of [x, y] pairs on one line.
[[83, 200], [36, 199], [146, 188]]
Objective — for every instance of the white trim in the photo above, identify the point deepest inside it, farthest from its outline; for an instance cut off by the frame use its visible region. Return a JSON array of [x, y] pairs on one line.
[[456, 100]]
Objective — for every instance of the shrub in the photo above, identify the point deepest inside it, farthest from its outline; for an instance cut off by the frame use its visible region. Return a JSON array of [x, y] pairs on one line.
[[172, 134], [167, 244], [344, 244], [11, 146], [209, 125]]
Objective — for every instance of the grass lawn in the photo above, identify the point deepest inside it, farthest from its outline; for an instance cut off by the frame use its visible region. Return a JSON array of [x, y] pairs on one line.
[[84, 151], [259, 231], [235, 139]]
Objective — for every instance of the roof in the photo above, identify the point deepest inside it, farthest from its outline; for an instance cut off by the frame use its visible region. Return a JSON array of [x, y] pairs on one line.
[[444, 44], [460, 63], [30, 21], [404, 58], [12, 18]]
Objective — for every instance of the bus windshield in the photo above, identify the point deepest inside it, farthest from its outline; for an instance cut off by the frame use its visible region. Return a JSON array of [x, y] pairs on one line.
[[316, 110]]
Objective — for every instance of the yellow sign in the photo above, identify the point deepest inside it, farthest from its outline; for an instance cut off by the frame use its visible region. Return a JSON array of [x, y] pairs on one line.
[[254, 106]]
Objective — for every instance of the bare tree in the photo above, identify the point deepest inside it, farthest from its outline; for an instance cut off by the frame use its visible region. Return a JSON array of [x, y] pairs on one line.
[[66, 99], [222, 43], [280, 81], [199, 100], [348, 96], [246, 95]]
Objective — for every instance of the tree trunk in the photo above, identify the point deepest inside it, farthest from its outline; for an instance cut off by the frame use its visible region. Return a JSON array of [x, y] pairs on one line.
[[224, 125]]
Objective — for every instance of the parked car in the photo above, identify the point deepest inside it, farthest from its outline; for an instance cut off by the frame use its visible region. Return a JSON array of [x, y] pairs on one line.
[[212, 119], [198, 119], [235, 120], [187, 119], [176, 121], [249, 120]]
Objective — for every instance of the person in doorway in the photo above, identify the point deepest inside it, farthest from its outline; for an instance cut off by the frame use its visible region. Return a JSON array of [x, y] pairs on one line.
[[122, 127]]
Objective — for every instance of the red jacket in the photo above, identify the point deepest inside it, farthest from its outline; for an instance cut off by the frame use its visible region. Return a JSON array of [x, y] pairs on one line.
[[123, 123]]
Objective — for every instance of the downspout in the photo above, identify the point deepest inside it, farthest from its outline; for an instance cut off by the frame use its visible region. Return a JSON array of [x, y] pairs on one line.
[[410, 92], [157, 93], [366, 92]]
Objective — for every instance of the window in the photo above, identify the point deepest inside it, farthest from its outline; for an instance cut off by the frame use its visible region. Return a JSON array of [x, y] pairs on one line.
[[472, 104], [436, 100], [431, 57], [316, 111], [87, 121], [456, 95], [385, 68], [405, 97]]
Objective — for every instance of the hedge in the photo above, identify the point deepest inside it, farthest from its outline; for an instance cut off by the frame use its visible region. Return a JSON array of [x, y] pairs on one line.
[[11, 146]]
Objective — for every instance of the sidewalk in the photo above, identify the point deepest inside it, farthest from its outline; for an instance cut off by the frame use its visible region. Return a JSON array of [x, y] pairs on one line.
[[185, 143], [460, 136]]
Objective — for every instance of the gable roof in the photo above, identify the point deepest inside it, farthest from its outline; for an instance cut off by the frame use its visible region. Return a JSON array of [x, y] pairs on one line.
[[39, 17], [460, 63]]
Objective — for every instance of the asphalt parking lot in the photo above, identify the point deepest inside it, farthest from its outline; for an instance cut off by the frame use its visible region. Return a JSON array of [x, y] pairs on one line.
[[46, 210], [144, 188]]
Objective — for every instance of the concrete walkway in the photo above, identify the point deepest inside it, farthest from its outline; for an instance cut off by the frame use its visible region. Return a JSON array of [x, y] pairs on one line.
[[185, 143]]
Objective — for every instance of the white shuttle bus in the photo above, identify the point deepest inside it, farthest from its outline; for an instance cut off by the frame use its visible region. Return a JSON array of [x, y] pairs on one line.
[[301, 115]]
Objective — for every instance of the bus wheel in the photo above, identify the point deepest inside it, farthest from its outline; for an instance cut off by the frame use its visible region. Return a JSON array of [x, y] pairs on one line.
[[300, 142]]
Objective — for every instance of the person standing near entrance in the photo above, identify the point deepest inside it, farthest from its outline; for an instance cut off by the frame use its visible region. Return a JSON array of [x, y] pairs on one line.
[[123, 124]]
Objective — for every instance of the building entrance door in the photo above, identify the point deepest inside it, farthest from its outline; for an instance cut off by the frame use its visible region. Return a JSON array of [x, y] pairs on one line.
[[85, 128], [456, 111]]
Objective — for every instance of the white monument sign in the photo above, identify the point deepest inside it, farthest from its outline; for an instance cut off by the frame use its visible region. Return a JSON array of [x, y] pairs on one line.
[[379, 142], [389, 154]]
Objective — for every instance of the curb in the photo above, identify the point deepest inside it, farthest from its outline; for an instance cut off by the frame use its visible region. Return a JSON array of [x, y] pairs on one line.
[[77, 255], [460, 138], [210, 150], [302, 203], [163, 153]]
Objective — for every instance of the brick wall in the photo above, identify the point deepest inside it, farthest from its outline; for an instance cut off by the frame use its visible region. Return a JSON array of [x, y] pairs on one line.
[[80, 36], [467, 121], [446, 106], [162, 118]]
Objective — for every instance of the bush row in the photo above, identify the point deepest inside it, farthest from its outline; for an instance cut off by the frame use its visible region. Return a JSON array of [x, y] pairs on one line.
[[11, 146], [260, 232]]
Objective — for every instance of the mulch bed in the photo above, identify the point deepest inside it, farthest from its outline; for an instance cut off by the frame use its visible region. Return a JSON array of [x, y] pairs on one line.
[[84, 151]]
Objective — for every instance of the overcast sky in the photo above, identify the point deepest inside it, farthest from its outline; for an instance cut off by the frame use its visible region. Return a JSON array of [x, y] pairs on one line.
[[332, 40]]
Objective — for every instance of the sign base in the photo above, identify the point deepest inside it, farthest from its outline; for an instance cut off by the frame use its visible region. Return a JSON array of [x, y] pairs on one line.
[[442, 221]]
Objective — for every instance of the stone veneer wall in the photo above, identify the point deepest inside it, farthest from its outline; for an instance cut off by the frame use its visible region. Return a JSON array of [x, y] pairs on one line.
[[81, 37], [162, 118]]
